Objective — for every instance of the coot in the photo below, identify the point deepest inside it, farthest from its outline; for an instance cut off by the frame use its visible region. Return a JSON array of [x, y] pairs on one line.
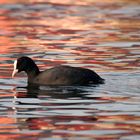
[[58, 75]]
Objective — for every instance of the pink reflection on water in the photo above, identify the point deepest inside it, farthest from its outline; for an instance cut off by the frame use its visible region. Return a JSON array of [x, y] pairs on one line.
[[102, 36]]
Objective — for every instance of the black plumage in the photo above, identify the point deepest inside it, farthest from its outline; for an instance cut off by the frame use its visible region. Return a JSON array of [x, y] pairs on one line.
[[59, 75]]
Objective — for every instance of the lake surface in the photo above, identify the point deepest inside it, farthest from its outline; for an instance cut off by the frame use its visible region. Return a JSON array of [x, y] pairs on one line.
[[102, 36]]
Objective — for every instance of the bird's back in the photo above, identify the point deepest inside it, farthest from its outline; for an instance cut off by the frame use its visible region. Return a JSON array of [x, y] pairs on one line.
[[67, 75]]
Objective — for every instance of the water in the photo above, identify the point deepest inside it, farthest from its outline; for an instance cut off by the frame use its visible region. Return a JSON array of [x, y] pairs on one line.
[[102, 36]]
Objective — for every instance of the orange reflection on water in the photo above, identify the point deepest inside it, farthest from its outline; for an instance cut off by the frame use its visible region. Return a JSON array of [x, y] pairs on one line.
[[99, 35], [85, 39]]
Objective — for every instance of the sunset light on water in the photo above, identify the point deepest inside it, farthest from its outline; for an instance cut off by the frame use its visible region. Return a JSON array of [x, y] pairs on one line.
[[103, 36]]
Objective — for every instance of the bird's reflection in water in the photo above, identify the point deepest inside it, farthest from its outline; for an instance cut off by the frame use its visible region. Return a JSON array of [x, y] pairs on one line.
[[55, 92], [38, 115]]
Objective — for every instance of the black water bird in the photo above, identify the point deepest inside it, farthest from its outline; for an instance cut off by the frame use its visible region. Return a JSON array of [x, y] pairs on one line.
[[58, 75]]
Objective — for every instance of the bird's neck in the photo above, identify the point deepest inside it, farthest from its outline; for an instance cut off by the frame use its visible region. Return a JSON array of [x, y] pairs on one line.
[[32, 72]]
